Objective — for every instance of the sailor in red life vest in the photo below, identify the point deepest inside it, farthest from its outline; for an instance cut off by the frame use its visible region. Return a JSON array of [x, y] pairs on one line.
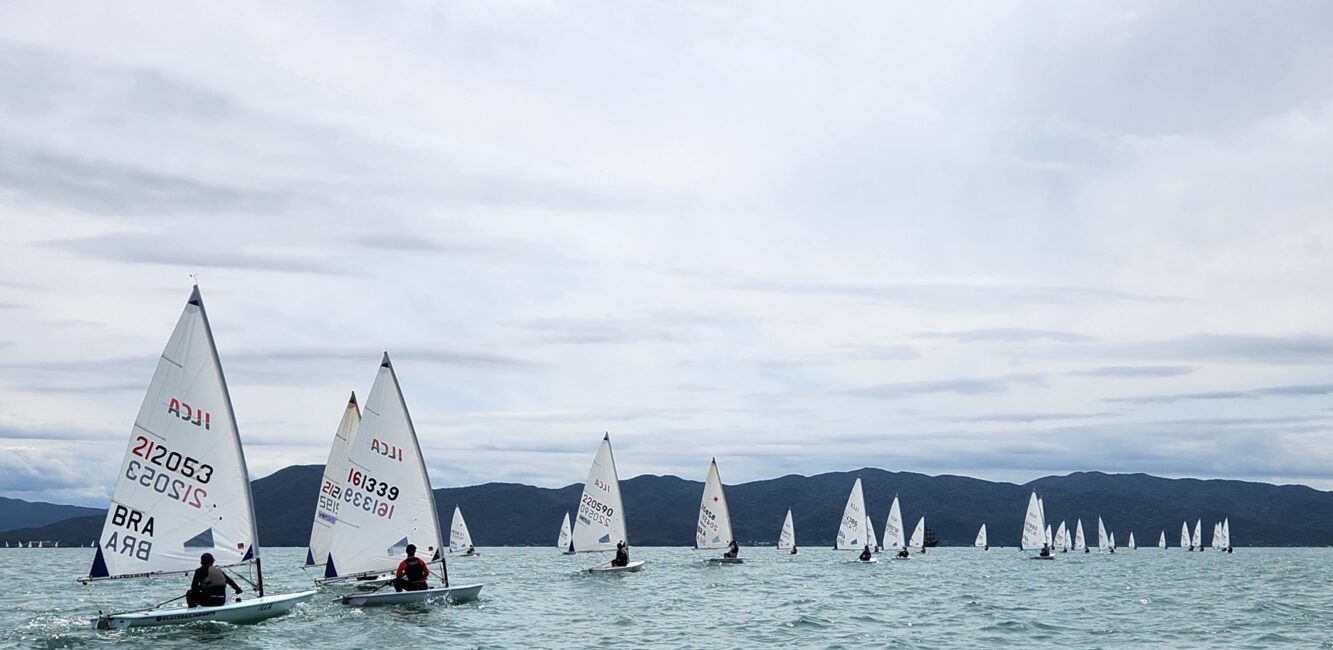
[[412, 572]]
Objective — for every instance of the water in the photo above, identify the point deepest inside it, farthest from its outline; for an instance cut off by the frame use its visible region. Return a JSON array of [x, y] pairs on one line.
[[950, 598]]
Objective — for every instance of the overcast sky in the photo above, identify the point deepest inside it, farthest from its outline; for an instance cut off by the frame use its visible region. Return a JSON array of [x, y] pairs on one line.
[[1000, 239]]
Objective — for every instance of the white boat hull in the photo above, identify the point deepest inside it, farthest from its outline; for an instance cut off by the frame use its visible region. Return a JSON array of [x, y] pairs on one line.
[[872, 560], [246, 611], [458, 594], [632, 567]]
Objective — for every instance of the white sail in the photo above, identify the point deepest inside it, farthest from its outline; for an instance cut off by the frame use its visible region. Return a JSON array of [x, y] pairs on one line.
[[1161, 541], [600, 523], [1069, 539], [1226, 533], [1103, 542], [894, 535], [1080, 542], [1111, 543], [981, 538], [1061, 536], [459, 537], [1197, 539], [183, 488], [918, 540], [1131, 544], [787, 538], [714, 529], [387, 501], [1050, 539], [1034, 527], [1185, 535], [851, 530], [335, 470], [1217, 535], [566, 535]]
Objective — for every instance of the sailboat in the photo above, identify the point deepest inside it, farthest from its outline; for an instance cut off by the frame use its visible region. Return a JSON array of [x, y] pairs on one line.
[[918, 539], [1131, 544], [1161, 541], [330, 488], [1080, 542], [1034, 530], [1226, 535], [894, 536], [714, 528], [1112, 547], [600, 523], [565, 542], [981, 542], [1217, 536], [1196, 540], [387, 503], [1061, 538], [870, 535], [1185, 536], [1103, 540], [183, 488], [460, 540], [851, 530], [787, 538]]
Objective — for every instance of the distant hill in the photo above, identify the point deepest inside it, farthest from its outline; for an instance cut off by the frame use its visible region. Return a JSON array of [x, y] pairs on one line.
[[17, 513], [662, 509]]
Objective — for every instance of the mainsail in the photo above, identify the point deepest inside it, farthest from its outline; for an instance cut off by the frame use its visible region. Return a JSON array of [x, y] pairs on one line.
[[893, 528], [1061, 536], [1197, 539], [1034, 526], [1131, 544], [335, 470], [714, 529], [981, 538], [1185, 536], [918, 540], [851, 536], [386, 498], [1103, 542], [1226, 533], [1080, 542], [183, 488], [600, 523], [566, 535], [870, 535], [459, 537], [787, 538], [1161, 541]]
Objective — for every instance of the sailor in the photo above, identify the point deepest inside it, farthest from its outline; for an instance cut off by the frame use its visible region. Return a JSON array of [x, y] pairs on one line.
[[733, 550], [865, 554], [209, 586], [471, 550], [793, 550], [903, 552], [412, 572], [1045, 551], [622, 554]]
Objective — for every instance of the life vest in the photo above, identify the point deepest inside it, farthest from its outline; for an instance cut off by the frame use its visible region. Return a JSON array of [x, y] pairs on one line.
[[415, 571]]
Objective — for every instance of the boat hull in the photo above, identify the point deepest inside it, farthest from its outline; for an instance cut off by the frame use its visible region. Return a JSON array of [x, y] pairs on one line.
[[724, 560], [873, 560], [632, 567], [456, 595], [245, 611]]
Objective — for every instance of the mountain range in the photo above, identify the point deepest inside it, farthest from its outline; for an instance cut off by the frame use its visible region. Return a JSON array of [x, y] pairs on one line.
[[662, 510]]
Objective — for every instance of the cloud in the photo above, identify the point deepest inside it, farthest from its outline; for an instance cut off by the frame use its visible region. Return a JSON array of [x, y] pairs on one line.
[[1028, 418], [964, 386], [1297, 390], [1134, 372], [946, 296], [1006, 335], [167, 250], [1223, 348]]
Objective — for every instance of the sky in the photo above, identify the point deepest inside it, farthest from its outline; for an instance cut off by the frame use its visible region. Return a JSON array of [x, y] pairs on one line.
[[1000, 239]]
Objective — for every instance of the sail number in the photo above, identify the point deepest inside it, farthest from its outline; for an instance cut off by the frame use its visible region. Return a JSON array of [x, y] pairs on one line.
[[172, 460], [596, 511], [368, 500]]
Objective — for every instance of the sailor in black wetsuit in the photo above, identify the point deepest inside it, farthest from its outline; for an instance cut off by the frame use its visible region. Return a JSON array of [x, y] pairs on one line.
[[209, 586], [622, 554], [412, 572], [793, 550], [1045, 551], [903, 552], [865, 554], [733, 550]]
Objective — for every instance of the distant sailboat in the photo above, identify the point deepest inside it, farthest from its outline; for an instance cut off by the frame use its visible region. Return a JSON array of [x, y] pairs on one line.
[[714, 527], [1034, 530], [870, 536], [981, 542], [331, 487], [600, 523], [1061, 538], [1226, 535], [1161, 541], [460, 538], [1080, 542], [1131, 541], [390, 504], [1196, 540], [1185, 536], [894, 535], [1103, 540], [565, 542], [918, 540], [200, 501], [787, 538], [851, 529], [1216, 543], [1113, 542]]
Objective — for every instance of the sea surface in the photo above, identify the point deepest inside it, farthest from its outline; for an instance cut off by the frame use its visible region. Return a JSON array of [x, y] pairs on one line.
[[535, 597]]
